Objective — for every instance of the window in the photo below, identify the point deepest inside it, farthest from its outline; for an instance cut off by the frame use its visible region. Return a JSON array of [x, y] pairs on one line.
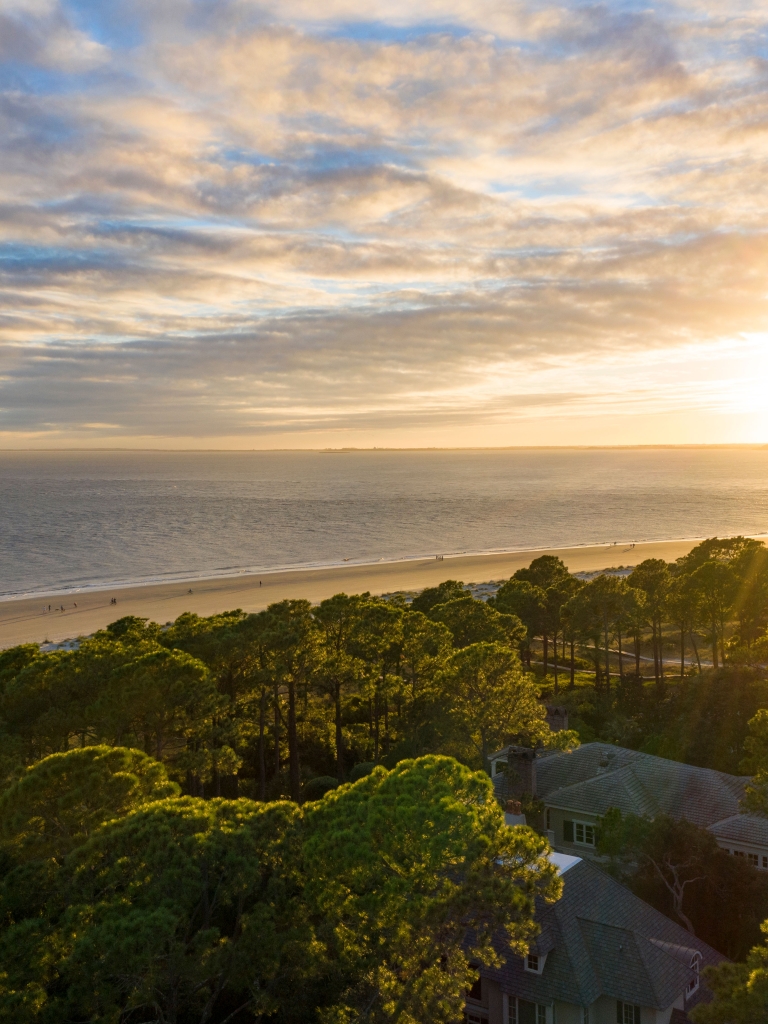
[[499, 767], [527, 1013], [753, 859], [476, 992], [693, 984], [549, 820], [627, 1013], [580, 832], [739, 853], [472, 1017], [512, 1010], [765, 863], [534, 963]]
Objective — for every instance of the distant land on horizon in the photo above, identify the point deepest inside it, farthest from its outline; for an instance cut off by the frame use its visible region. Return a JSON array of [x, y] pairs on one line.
[[757, 445]]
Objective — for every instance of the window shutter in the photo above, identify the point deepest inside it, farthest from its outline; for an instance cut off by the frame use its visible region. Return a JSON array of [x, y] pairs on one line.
[[568, 831], [637, 1015]]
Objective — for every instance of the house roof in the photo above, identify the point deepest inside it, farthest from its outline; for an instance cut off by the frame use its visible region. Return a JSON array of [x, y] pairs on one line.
[[743, 828], [598, 776], [605, 941]]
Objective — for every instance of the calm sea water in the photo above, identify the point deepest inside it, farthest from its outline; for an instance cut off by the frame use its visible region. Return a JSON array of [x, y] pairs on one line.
[[78, 519]]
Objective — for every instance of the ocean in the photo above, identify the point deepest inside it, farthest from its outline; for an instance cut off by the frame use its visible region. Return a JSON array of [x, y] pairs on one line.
[[71, 520]]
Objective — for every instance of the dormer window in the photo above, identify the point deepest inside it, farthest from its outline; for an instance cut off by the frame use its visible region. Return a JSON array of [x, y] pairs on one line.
[[534, 962], [693, 984]]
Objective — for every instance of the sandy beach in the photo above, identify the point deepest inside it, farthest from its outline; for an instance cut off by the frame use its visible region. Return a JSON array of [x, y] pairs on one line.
[[24, 621]]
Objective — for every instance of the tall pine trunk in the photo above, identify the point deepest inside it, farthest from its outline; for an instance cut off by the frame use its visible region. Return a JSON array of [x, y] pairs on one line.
[[695, 649], [293, 744], [339, 734], [714, 645], [277, 729], [621, 659], [262, 746]]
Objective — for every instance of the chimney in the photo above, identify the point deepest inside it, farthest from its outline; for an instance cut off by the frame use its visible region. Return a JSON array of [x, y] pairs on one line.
[[521, 773], [513, 813], [557, 718]]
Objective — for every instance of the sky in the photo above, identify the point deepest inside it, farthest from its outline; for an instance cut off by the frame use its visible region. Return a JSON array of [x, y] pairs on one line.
[[296, 224]]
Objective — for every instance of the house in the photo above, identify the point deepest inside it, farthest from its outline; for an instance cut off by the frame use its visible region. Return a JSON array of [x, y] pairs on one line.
[[603, 956], [744, 835], [579, 787]]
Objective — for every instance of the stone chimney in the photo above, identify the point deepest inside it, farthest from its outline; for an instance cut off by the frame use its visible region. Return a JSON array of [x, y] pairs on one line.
[[557, 718], [521, 773], [513, 813]]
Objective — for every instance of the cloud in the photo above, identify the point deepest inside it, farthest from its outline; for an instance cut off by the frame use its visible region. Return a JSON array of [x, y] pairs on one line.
[[243, 219]]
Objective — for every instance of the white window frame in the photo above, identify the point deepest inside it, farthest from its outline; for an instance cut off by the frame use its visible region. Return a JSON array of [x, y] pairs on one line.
[[634, 1015], [539, 959], [584, 825], [510, 1014], [693, 985]]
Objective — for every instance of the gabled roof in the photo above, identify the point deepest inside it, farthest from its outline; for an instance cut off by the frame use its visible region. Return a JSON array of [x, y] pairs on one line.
[[742, 828], [605, 941], [597, 776], [632, 968]]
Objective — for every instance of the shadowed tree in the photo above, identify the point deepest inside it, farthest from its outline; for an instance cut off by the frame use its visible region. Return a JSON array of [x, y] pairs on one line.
[[653, 578], [529, 603], [715, 586], [551, 575]]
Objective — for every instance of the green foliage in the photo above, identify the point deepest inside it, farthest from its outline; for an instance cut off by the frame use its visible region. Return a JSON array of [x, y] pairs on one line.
[[704, 721], [59, 802], [472, 622], [755, 763], [377, 896], [449, 590], [412, 871], [183, 905], [740, 990], [492, 699], [525, 600]]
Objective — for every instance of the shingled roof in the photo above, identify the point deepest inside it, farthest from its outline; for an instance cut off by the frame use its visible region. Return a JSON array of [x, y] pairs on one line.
[[750, 829], [597, 776], [604, 940]]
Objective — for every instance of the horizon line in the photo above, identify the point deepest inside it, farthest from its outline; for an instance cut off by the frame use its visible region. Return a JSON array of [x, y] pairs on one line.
[[419, 448]]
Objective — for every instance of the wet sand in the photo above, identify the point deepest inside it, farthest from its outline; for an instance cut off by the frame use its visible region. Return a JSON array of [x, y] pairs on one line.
[[23, 620]]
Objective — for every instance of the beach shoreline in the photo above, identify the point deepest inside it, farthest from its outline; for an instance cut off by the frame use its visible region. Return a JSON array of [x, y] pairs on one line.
[[22, 619]]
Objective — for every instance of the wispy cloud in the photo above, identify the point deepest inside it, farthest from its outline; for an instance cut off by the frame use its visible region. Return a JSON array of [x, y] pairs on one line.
[[244, 221]]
